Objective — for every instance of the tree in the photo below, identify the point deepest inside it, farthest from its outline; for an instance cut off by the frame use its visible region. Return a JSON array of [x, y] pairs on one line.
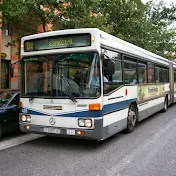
[[15, 13], [84, 13], [46, 11], [162, 31], [148, 26], [26, 15], [126, 17]]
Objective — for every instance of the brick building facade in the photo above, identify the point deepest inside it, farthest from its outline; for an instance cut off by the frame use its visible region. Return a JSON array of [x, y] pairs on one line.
[[8, 56]]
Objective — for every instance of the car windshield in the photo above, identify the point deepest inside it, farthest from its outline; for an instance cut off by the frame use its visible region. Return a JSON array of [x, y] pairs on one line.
[[5, 96], [62, 75]]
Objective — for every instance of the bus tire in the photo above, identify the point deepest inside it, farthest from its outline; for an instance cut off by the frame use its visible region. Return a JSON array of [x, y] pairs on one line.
[[131, 119], [165, 105]]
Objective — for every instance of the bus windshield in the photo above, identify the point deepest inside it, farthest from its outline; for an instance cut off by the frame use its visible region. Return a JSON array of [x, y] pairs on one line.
[[62, 75]]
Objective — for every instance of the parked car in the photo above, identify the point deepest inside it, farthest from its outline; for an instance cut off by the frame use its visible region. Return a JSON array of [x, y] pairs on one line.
[[9, 111]]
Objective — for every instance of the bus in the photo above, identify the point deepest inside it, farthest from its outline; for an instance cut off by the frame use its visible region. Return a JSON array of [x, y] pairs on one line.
[[85, 83]]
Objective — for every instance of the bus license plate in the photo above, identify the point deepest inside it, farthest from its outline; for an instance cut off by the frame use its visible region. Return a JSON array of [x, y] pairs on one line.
[[51, 130], [70, 132]]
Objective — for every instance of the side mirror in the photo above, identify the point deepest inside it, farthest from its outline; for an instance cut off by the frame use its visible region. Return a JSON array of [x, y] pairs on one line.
[[108, 64], [102, 55], [110, 67], [11, 71]]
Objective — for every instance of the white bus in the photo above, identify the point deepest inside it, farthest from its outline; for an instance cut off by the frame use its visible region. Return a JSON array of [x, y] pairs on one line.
[[88, 84]]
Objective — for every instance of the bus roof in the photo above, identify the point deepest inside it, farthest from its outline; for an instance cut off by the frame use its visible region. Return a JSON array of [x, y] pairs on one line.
[[107, 40], [60, 32], [129, 48]]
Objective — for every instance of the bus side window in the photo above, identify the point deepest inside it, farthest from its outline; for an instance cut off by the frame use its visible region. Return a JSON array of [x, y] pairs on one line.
[[167, 70], [114, 79], [151, 75], [165, 75], [142, 72], [130, 71], [174, 75], [158, 74]]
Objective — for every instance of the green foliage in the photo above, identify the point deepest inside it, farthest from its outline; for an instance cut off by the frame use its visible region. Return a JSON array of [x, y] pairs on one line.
[[26, 15], [45, 11], [162, 29], [148, 26], [15, 13], [84, 13]]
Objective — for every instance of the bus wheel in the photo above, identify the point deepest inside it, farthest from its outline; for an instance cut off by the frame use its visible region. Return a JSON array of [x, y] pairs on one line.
[[131, 119], [165, 105]]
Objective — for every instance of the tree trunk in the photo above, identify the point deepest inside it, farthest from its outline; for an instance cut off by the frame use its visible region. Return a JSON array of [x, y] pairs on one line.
[[44, 26]]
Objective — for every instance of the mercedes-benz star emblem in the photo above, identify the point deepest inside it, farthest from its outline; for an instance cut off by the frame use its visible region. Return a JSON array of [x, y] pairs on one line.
[[52, 121]]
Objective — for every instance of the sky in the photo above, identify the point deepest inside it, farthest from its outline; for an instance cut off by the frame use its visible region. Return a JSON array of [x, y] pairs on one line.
[[168, 2]]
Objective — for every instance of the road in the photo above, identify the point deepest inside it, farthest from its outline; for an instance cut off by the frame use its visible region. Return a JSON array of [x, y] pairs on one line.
[[149, 151]]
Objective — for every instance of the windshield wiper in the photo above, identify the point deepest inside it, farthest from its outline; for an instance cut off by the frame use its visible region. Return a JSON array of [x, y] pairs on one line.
[[68, 89]]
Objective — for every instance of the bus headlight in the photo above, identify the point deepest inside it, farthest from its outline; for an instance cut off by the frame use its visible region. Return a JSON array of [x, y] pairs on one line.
[[81, 122], [85, 123], [26, 118], [88, 123]]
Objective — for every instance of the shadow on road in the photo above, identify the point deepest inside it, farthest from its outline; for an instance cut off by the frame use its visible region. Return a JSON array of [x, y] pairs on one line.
[[73, 144]]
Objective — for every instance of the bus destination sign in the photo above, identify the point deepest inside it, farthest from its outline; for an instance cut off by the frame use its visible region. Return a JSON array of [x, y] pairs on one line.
[[57, 42]]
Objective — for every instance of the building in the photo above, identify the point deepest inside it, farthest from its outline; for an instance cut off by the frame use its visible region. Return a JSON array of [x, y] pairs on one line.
[[8, 55]]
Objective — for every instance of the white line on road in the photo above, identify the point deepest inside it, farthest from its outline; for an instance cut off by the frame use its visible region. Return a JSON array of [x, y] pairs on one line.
[[18, 140]]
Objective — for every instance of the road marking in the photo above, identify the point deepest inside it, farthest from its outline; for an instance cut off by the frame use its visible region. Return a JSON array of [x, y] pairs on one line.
[[18, 140]]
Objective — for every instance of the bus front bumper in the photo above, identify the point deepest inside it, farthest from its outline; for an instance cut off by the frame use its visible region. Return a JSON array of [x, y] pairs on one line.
[[94, 134]]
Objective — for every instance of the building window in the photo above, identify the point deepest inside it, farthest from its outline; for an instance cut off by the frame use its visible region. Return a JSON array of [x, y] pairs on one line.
[[5, 74], [6, 29]]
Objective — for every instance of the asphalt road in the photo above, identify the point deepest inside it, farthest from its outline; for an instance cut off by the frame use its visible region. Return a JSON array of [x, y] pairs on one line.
[[149, 151]]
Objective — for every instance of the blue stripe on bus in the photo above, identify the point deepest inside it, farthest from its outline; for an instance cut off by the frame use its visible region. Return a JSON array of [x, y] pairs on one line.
[[109, 108], [83, 114], [117, 106]]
